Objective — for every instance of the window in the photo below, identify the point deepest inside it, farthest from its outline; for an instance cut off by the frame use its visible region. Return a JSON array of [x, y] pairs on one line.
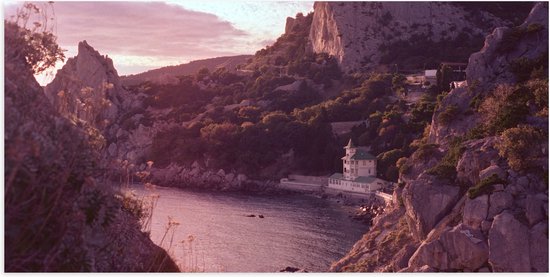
[[369, 170], [364, 162]]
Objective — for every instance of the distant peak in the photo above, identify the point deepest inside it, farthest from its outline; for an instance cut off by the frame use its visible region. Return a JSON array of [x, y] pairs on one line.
[[84, 47]]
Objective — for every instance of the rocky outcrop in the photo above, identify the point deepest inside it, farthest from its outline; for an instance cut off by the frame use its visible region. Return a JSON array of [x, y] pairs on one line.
[[59, 217], [477, 157], [472, 222], [88, 88], [458, 248], [491, 66], [475, 211], [507, 243], [426, 203], [356, 32], [198, 176]]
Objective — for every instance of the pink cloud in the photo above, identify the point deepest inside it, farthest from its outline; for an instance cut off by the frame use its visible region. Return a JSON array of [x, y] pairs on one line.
[[145, 29]]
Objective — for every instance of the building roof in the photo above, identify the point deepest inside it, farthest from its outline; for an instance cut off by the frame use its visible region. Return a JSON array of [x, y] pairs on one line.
[[337, 176], [361, 154], [350, 144]]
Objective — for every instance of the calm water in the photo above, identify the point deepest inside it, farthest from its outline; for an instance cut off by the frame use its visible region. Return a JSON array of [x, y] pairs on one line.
[[297, 231]]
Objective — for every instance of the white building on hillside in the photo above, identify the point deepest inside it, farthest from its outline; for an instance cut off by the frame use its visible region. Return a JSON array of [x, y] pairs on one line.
[[359, 172]]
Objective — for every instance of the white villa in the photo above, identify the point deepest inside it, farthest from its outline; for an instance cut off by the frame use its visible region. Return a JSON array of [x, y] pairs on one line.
[[359, 172]]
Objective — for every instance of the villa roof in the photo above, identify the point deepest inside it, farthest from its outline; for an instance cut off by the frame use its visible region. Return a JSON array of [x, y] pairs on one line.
[[337, 176], [361, 154], [350, 144]]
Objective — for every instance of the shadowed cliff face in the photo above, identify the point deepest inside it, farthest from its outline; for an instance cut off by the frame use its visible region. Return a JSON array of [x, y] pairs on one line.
[[360, 34], [473, 198], [58, 216]]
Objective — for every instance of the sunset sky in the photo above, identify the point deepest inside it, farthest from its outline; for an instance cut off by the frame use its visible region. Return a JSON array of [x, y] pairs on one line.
[[139, 36]]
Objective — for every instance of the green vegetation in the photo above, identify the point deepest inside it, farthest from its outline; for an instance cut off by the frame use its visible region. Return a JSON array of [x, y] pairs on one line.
[[36, 45], [485, 186], [523, 146], [448, 115], [446, 168], [418, 52]]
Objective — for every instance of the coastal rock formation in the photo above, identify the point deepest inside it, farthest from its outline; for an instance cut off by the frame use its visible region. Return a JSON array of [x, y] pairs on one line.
[[426, 203], [59, 216], [467, 207], [88, 88], [358, 33]]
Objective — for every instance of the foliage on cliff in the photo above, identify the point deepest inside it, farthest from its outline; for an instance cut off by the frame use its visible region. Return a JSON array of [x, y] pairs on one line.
[[58, 216]]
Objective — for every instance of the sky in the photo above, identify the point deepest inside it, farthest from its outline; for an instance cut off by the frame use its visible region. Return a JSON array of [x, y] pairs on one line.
[[139, 36]]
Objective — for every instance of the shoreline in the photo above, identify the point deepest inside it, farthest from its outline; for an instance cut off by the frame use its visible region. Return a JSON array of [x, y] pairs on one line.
[[349, 204]]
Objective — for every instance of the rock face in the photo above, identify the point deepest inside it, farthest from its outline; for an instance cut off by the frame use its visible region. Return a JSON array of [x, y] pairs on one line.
[[354, 32], [507, 243], [427, 203], [502, 227], [51, 183], [88, 88], [491, 66], [459, 248]]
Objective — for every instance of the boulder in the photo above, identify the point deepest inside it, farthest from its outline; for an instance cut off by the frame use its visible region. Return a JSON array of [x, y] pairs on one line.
[[508, 245], [432, 254], [533, 210], [493, 169], [522, 181], [241, 178], [229, 177], [112, 149], [425, 268], [475, 211], [538, 251], [401, 259], [427, 203], [466, 248], [499, 201], [477, 156], [459, 248]]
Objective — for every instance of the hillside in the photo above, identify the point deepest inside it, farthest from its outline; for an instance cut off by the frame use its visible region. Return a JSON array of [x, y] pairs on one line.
[[412, 36], [470, 163], [473, 196], [169, 74], [61, 214]]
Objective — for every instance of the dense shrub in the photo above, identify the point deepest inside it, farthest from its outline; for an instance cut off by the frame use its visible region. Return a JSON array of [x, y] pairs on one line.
[[505, 108], [523, 147], [446, 168]]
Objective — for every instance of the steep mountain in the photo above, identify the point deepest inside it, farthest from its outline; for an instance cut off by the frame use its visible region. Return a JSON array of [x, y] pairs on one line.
[[364, 35], [474, 194], [60, 214], [169, 74]]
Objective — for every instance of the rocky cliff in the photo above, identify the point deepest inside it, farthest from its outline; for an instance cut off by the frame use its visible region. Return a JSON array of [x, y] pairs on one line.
[[465, 202], [360, 34], [58, 215], [88, 88]]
